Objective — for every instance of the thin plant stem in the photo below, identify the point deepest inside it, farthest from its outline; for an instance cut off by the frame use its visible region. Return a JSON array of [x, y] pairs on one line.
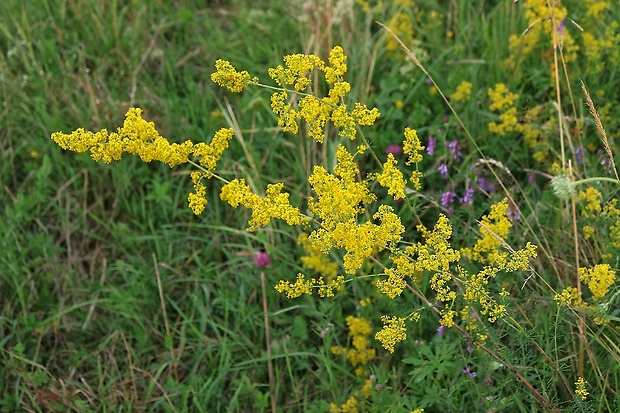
[[272, 379]]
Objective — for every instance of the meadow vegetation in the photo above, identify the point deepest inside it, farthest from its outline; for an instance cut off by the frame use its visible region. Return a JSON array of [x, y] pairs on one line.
[[304, 205]]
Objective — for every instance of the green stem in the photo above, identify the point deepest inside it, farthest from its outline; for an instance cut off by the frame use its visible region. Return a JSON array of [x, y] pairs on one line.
[[598, 178]]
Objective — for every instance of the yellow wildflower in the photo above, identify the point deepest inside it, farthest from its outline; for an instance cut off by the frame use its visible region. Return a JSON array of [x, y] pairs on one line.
[[360, 240], [393, 332], [350, 406], [274, 205], [412, 146], [598, 279], [316, 259], [580, 388], [316, 113], [594, 8], [197, 199], [301, 286], [287, 117], [501, 97], [361, 353], [392, 178], [394, 285], [592, 197], [462, 92], [447, 318], [337, 60], [136, 136], [227, 76], [570, 297], [314, 110], [588, 231], [494, 228], [211, 153]]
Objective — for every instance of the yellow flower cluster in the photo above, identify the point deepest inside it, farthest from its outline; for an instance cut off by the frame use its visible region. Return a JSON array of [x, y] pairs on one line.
[[394, 285], [476, 292], [462, 92], [598, 279], [402, 26], [580, 388], [501, 97], [316, 260], [227, 76], [274, 205], [392, 178], [601, 51], [435, 254], [592, 198], [294, 290], [303, 286], [546, 22], [338, 197], [605, 218], [393, 332], [136, 136], [359, 356], [503, 101], [494, 228], [612, 213], [350, 406], [413, 148], [140, 137], [209, 155], [316, 112], [595, 8], [361, 240], [571, 297], [361, 353], [339, 200]]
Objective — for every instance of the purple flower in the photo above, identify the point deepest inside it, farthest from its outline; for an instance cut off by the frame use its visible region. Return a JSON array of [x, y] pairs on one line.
[[561, 27], [441, 330], [395, 150], [468, 371], [468, 196], [430, 148], [429, 81], [579, 152], [443, 170], [470, 349], [261, 259], [485, 186], [447, 198], [455, 149], [531, 179]]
